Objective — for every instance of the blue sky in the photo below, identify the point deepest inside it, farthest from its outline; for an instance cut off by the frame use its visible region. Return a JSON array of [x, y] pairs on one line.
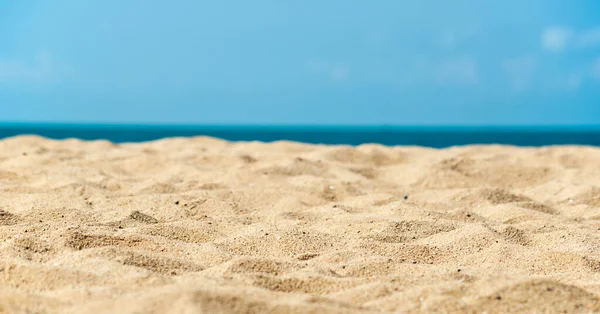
[[301, 62]]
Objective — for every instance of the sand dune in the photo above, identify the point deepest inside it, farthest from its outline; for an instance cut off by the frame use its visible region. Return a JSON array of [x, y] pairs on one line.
[[203, 225]]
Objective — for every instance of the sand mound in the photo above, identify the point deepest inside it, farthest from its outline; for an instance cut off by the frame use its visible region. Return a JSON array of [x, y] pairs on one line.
[[204, 225]]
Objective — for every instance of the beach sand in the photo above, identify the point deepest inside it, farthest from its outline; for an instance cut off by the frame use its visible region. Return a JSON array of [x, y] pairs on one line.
[[207, 226]]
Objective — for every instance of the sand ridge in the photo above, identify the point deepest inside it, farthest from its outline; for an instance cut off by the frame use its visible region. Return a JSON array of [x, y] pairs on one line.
[[201, 225]]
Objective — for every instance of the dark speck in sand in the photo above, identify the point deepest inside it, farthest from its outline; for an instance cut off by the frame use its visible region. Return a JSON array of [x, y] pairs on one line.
[[176, 202], [24, 154], [405, 197]]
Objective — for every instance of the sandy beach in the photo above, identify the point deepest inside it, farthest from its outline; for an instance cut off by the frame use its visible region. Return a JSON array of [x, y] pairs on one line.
[[202, 225]]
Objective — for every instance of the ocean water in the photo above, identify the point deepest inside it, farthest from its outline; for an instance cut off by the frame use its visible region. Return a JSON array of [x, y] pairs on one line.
[[437, 137]]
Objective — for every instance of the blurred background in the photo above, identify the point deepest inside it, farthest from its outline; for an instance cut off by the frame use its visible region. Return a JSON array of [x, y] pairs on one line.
[[407, 63]]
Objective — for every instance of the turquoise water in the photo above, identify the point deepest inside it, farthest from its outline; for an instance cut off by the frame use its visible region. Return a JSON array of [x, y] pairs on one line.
[[437, 137]]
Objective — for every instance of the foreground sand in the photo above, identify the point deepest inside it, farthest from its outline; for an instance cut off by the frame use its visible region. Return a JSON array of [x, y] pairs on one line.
[[203, 225]]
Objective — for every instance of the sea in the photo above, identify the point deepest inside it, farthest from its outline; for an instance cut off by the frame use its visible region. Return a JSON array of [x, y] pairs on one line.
[[428, 136]]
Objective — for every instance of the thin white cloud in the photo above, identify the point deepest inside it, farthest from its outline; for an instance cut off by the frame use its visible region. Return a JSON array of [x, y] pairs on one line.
[[453, 71], [376, 37], [596, 69], [555, 38], [335, 72], [520, 72], [41, 68], [558, 38], [461, 71], [589, 37], [449, 39], [573, 82], [340, 73]]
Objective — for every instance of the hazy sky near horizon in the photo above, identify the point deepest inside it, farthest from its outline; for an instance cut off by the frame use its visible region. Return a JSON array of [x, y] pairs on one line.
[[301, 62]]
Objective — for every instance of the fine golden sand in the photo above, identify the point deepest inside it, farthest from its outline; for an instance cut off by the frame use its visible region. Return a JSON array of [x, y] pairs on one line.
[[207, 226]]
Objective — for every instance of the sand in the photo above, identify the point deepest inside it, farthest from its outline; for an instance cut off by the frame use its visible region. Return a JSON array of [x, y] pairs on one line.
[[207, 226]]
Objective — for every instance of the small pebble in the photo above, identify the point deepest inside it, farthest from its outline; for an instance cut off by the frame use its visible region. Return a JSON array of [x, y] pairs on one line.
[[176, 202], [331, 187], [405, 197]]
